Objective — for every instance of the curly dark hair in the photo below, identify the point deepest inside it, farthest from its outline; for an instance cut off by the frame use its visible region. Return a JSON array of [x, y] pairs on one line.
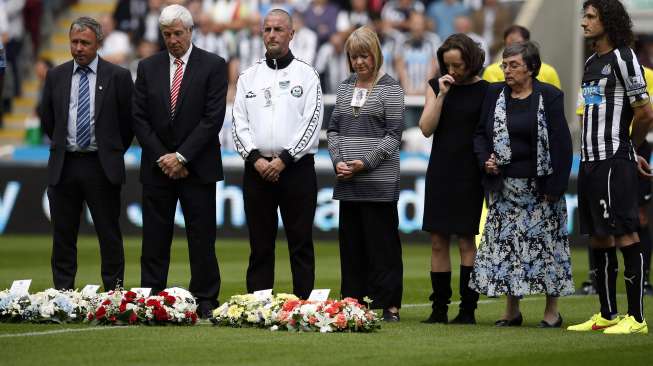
[[615, 19], [471, 53]]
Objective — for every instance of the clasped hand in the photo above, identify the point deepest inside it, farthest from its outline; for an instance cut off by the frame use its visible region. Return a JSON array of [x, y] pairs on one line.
[[491, 166], [345, 170], [172, 167], [270, 170]]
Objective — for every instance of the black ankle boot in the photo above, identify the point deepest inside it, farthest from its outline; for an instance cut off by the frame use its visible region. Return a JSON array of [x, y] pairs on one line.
[[468, 298], [441, 297]]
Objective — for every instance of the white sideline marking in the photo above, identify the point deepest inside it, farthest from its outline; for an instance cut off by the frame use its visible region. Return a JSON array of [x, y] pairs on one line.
[[48, 332], [501, 298]]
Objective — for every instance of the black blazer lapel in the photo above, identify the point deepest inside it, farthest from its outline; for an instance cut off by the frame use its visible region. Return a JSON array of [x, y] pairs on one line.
[[165, 79], [186, 81], [66, 85], [101, 83]]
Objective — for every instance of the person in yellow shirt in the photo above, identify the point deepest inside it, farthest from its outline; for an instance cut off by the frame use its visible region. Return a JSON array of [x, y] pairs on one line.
[[644, 198], [515, 34]]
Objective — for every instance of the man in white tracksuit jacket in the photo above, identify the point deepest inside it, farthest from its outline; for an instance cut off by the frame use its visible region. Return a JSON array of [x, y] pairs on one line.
[[277, 116]]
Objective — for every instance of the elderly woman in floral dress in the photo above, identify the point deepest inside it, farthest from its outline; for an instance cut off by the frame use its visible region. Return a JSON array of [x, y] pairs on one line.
[[524, 147]]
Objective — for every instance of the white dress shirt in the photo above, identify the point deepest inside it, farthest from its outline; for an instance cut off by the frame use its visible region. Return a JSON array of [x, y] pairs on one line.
[[71, 140], [173, 66]]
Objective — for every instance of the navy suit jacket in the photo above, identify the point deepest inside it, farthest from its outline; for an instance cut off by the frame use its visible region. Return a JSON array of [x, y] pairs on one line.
[[113, 117]]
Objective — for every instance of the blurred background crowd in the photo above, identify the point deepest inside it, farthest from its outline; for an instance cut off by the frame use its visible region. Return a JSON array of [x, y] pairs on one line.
[[34, 38]]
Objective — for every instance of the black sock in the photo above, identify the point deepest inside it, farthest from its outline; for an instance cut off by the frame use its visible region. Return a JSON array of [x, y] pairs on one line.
[[605, 272], [633, 272], [645, 240]]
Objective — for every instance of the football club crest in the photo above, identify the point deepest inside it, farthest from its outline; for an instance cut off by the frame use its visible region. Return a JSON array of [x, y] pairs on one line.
[[297, 91], [606, 70]]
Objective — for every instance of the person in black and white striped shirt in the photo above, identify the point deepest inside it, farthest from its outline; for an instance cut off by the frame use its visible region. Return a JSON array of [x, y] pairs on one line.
[[364, 136], [614, 91]]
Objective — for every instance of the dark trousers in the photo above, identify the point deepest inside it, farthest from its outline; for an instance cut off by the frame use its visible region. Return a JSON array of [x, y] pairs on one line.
[[370, 253], [198, 205], [83, 180], [295, 194], [13, 48]]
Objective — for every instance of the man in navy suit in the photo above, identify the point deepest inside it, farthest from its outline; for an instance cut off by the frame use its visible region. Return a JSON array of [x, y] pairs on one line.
[[179, 105], [86, 112]]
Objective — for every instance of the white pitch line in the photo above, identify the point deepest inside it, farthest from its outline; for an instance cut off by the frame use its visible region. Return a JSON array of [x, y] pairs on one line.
[[491, 301], [58, 331]]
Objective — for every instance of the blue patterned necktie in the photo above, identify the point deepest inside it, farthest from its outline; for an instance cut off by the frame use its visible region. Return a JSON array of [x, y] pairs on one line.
[[83, 109]]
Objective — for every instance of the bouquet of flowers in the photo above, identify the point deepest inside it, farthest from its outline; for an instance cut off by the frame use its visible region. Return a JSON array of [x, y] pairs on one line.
[[117, 307], [284, 311], [57, 307], [12, 307], [346, 315], [241, 310], [175, 305]]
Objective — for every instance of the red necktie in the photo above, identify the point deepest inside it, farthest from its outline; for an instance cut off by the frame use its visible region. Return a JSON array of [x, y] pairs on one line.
[[176, 83]]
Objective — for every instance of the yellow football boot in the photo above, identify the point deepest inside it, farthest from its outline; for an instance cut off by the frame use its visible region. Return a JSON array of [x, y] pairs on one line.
[[596, 322], [628, 325]]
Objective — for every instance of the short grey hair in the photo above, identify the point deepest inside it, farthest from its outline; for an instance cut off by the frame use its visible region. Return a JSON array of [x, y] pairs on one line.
[[82, 23], [173, 13], [283, 13], [529, 52]]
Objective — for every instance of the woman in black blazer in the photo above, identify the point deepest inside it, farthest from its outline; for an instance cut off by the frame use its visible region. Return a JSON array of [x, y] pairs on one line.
[[524, 148]]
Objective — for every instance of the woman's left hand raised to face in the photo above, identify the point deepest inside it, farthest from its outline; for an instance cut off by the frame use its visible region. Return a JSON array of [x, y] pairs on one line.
[[444, 84]]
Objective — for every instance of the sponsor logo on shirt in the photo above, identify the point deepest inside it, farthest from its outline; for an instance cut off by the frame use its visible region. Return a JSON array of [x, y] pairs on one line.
[[284, 84], [250, 94], [592, 94], [636, 82]]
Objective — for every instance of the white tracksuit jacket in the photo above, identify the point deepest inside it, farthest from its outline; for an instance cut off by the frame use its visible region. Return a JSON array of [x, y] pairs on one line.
[[278, 110]]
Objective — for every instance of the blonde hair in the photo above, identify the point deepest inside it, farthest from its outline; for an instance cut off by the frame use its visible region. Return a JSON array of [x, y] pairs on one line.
[[364, 40]]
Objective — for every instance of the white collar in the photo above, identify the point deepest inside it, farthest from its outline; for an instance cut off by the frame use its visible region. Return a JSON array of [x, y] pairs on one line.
[[92, 65], [183, 58]]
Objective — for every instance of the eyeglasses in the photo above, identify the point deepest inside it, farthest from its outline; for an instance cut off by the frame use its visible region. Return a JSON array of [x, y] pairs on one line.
[[511, 66]]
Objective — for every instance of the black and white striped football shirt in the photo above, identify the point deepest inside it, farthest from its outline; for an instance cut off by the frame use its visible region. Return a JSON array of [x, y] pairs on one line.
[[612, 85]]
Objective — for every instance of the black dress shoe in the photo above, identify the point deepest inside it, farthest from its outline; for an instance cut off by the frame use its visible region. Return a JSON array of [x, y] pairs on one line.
[[464, 317], [205, 309], [438, 316], [390, 316], [510, 322], [557, 324]]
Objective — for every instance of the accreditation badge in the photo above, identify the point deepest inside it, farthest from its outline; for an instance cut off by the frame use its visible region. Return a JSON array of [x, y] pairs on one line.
[[267, 93], [359, 97]]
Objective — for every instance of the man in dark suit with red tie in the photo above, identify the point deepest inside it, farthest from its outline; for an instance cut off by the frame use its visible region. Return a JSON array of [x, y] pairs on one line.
[[86, 112], [179, 105]]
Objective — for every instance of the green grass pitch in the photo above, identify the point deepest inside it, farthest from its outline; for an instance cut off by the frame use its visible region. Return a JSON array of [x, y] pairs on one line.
[[406, 343]]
